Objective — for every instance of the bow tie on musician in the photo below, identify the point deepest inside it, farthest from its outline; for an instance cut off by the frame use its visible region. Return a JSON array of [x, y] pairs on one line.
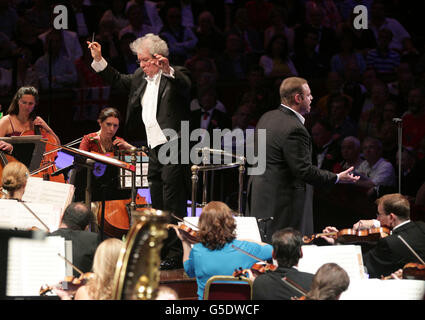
[[21, 120]]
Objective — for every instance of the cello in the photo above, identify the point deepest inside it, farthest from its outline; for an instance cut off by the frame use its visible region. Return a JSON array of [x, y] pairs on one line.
[[47, 164]]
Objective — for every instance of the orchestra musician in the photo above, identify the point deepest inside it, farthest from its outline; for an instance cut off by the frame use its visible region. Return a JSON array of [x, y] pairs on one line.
[[287, 252], [21, 115], [329, 282], [74, 227], [390, 253], [14, 180], [104, 140], [214, 254], [100, 285]]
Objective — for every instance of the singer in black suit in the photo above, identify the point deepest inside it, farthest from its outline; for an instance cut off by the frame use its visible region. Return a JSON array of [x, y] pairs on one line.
[[280, 191], [159, 97]]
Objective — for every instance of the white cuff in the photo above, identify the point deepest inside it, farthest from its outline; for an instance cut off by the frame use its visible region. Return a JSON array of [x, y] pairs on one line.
[[99, 65]]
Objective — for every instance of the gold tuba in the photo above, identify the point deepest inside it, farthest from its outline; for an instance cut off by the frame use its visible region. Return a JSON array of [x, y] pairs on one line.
[[137, 272]]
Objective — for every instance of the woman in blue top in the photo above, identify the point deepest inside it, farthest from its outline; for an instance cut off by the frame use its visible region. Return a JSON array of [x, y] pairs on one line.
[[214, 254]]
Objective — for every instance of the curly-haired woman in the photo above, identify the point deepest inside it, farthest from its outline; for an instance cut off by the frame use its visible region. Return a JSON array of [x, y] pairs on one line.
[[215, 253]]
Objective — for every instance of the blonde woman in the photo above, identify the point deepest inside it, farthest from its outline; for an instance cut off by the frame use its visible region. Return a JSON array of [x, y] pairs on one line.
[[14, 179], [100, 286]]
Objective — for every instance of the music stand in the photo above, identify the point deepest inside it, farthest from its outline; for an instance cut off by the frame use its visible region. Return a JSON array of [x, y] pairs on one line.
[[5, 235], [97, 188], [27, 149]]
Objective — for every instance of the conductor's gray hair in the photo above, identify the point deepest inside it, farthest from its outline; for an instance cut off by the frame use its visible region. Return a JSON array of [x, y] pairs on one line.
[[152, 42]]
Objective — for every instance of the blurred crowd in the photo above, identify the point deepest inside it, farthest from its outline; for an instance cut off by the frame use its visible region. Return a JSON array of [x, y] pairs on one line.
[[367, 84]]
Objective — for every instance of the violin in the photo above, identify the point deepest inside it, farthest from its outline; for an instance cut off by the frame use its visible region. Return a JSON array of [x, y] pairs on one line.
[[70, 284], [187, 232], [351, 235], [256, 268], [414, 271]]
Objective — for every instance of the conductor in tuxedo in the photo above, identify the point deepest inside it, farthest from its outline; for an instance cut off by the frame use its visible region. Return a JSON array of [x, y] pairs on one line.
[[280, 192], [159, 99]]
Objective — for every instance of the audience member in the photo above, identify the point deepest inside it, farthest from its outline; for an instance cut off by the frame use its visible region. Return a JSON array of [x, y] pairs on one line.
[[83, 19], [8, 19], [331, 15], [278, 18], [401, 40], [233, 63], [276, 61], [326, 150], [414, 118], [181, 40], [63, 72], [374, 171], [125, 61], [329, 282], [383, 59], [350, 152], [209, 34], [150, 13], [74, 227], [137, 23], [39, 16], [116, 14], [287, 252], [339, 107]]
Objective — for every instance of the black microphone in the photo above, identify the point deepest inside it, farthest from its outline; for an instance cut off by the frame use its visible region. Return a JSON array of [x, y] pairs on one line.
[[265, 219]]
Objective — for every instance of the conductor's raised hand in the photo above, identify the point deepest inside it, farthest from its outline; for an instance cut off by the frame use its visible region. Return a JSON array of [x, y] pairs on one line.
[[95, 50], [347, 177], [162, 63]]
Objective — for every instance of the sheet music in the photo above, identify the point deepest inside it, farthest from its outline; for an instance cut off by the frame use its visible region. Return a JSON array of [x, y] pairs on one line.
[[246, 227], [55, 193], [142, 165], [348, 257], [376, 289], [13, 214], [33, 263]]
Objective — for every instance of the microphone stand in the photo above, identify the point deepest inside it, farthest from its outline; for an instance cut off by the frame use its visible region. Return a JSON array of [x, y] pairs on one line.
[[399, 123]]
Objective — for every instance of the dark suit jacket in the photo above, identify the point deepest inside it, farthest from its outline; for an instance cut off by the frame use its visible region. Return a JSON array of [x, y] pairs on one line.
[[280, 191], [219, 120], [391, 254], [173, 99], [84, 245], [269, 286]]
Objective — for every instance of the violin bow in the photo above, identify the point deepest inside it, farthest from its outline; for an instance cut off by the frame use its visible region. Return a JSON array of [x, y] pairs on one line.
[[294, 286], [181, 220], [70, 263], [248, 254], [411, 249], [32, 212]]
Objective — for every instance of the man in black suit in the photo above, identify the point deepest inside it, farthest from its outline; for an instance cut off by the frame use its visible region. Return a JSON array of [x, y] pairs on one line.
[[159, 97], [287, 252], [279, 192], [391, 253], [74, 225]]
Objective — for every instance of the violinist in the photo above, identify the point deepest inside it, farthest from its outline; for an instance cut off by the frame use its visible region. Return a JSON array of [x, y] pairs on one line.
[[74, 227], [104, 141], [21, 115], [14, 180], [100, 285], [214, 254], [286, 251], [390, 253]]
